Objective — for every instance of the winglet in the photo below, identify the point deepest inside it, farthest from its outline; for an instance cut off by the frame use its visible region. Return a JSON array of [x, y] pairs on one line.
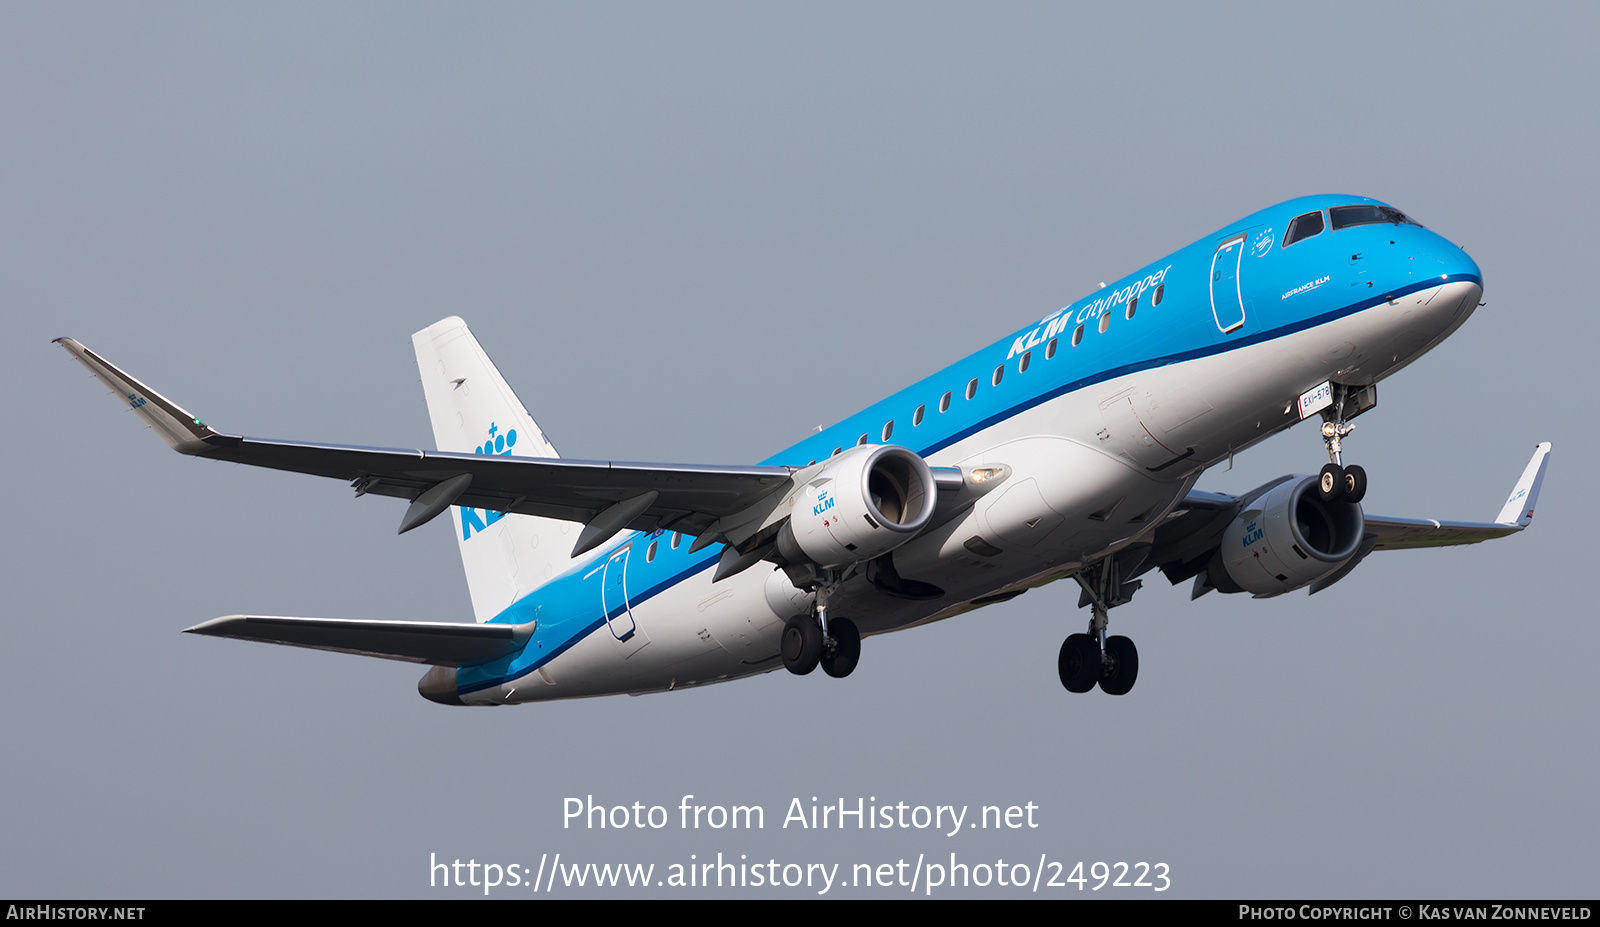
[[183, 432], [1518, 509]]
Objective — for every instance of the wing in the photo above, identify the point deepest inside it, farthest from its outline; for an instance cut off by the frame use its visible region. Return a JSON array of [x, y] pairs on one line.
[[606, 496], [1184, 543], [1389, 533], [1516, 514]]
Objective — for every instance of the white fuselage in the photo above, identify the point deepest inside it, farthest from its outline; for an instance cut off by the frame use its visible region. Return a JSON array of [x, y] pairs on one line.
[[1085, 479]]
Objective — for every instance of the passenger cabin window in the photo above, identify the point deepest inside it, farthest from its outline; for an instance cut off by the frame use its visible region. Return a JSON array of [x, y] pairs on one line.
[[916, 417], [944, 402], [650, 552], [1344, 217], [972, 388], [1077, 336], [1105, 322], [999, 372], [861, 440], [1156, 299], [678, 535], [1133, 304], [1303, 227], [888, 429], [1050, 349], [1026, 359]]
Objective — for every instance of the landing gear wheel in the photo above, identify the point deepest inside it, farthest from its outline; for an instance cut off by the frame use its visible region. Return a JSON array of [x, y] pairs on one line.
[[846, 650], [1330, 482], [1355, 483], [1079, 663], [1122, 667], [801, 644]]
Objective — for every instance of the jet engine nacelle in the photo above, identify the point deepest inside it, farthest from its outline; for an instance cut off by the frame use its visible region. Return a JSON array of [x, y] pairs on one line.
[[860, 505], [1287, 538]]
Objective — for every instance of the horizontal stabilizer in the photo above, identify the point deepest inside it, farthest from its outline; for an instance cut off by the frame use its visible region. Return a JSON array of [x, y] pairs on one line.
[[440, 643]]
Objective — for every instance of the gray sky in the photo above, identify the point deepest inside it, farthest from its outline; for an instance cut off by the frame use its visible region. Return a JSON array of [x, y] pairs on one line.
[[691, 233]]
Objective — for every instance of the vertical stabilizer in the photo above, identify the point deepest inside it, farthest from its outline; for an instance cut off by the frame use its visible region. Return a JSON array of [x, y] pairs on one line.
[[473, 410]]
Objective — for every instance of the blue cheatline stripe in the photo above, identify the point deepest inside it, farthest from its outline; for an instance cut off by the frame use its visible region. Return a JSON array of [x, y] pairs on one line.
[[709, 558]]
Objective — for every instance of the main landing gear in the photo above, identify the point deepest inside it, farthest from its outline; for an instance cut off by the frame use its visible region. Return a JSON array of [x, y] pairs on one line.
[[1085, 662], [1092, 659], [1337, 481], [810, 640], [806, 646]]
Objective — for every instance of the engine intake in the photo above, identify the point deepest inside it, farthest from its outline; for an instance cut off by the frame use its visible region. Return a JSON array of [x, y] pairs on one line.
[[860, 505], [1285, 539]]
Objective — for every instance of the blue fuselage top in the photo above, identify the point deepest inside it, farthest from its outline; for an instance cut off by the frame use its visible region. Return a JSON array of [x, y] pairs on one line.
[[1282, 270]]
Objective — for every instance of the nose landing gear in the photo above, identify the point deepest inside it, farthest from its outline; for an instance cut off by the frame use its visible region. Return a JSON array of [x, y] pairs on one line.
[[1337, 481], [1347, 483]]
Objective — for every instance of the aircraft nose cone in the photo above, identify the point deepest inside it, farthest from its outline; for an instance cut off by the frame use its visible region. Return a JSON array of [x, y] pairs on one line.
[[1459, 264], [1462, 272], [1436, 312], [1444, 284], [439, 685]]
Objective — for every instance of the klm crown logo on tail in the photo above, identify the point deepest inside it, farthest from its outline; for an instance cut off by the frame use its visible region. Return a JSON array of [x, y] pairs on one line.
[[497, 443], [500, 444]]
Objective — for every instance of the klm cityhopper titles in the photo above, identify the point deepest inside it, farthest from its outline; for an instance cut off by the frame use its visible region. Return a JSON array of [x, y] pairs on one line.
[[1069, 449]]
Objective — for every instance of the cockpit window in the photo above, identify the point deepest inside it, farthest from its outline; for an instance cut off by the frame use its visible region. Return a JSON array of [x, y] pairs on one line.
[[1303, 227], [1344, 217]]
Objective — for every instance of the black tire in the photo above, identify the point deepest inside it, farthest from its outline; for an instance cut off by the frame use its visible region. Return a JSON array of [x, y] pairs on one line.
[[1122, 669], [1330, 482], [1079, 663], [846, 651], [801, 645], [1355, 483]]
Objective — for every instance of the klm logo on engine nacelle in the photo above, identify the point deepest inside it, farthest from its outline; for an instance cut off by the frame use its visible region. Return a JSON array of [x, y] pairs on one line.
[[500, 445], [1252, 534], [824, 503]]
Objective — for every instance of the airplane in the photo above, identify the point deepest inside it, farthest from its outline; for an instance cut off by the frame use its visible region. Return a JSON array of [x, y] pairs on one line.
[[1068, 449]]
